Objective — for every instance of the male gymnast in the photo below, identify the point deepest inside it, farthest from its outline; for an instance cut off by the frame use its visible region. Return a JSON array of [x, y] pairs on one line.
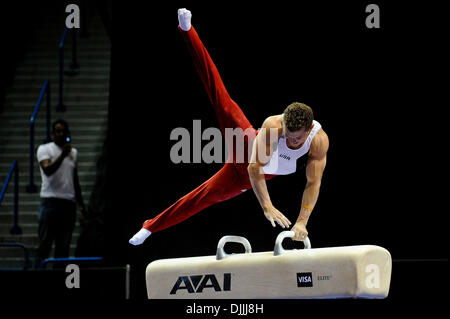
[[297, 134]]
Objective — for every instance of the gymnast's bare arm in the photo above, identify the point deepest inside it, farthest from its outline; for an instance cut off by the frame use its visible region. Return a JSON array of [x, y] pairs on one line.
[[314, 172], [263, 147]]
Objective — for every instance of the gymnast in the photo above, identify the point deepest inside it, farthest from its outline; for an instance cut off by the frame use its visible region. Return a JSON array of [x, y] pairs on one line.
[[297, 134]]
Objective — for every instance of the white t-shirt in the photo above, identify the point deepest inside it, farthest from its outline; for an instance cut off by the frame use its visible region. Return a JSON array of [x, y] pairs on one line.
[[61, 183]]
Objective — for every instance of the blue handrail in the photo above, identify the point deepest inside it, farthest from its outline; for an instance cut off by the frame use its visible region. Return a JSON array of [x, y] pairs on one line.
[[31, 187], [15, 230], [26, 253], [45, 261]]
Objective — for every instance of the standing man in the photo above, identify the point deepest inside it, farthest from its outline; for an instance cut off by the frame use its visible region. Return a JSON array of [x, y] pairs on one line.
[[60, 193]]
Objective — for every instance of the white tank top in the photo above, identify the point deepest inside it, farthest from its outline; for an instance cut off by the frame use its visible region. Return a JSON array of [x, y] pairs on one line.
[[284, 159]]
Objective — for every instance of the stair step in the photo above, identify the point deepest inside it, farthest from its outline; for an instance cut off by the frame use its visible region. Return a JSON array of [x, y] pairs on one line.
[[24, 157], [37, 182], [23, 130], [73, 115], [28, 239], [26, 196], [13, 257], [87, 170], [87, 181], [54, 62], [86, 73], [24, 144], [41, 122], [87, 166], [82, 46], [15, 132], [73, 104], [81, 143], [84, 168], [84, 172], [83, 76], [36, 87], [39, 138], [24, 216], [94, 124], [4, 166], [27, 228], [28, 81], [93, 40], [25, 209], [54, 33], [69, 96], [81, 54], [84, 156], [7, 205], [18, 252]]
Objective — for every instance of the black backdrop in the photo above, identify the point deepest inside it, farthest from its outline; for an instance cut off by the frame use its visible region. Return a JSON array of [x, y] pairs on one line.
[[374, 91], [379, 94]]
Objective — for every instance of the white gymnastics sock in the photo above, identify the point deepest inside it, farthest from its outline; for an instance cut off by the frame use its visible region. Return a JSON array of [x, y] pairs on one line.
[[184, 18], [140, 236]]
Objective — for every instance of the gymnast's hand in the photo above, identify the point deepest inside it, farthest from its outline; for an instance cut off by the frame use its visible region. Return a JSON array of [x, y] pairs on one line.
[[274, 215], [184, 18], [300, 231]]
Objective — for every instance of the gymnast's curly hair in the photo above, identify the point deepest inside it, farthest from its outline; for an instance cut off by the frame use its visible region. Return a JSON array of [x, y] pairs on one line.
[[297, 116]]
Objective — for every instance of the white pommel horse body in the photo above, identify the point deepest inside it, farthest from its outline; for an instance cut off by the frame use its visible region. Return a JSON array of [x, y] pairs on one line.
[[336, 272]]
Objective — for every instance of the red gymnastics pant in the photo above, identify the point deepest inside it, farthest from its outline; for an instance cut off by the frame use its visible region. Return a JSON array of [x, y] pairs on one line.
[[232, 179]]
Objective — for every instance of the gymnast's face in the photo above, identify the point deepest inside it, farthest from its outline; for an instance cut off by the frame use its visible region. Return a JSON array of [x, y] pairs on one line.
[[296, 138]]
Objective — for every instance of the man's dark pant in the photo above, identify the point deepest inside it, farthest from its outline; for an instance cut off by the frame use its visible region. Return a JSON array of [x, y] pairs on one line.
[[56, 223]]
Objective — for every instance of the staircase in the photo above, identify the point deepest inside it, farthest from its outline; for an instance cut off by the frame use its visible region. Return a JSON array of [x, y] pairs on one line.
[[86, 99]]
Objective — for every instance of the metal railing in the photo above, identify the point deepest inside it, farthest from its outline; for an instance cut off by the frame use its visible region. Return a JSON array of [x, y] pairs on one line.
[[74, 65], [26, 255], [31, 187], [14, 170]]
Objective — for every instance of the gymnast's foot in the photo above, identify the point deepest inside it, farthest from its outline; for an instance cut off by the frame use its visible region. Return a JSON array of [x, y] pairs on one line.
[[184, 18], [140, 237]]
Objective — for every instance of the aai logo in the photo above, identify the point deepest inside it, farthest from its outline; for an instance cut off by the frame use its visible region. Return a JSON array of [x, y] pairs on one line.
[[196, 284], [304, 279]]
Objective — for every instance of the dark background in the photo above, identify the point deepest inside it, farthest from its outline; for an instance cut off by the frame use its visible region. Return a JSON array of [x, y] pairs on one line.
[[375, 92], [378, 93]]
